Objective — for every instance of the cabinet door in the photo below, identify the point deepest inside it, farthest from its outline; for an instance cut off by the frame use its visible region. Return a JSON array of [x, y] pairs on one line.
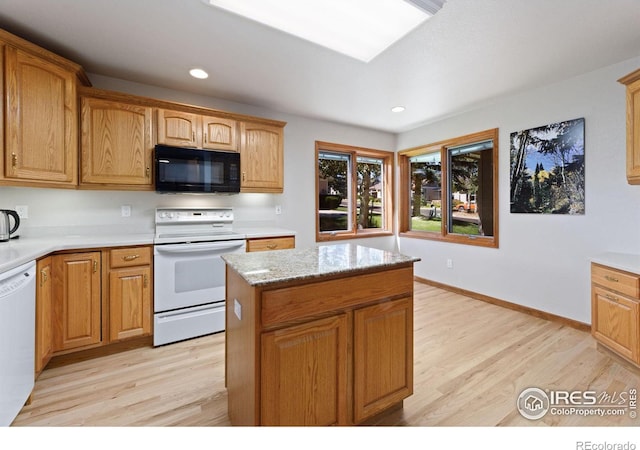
[[304, 374], [261, 157], [44, 314], [41, 122], [116, 143], [219, 133], [615, 322], [77, 303], [633, 132], [129, 302], [179, 128], [383, 356]]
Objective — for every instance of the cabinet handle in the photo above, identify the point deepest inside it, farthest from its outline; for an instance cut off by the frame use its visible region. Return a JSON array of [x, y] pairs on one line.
[[145, 279], [43, 277], [610, 278], [95, 266], [193, 136], [147, 172], [205, 138], [14, 160], [272, 246], [130, 257], [244, 176], [612, 298]]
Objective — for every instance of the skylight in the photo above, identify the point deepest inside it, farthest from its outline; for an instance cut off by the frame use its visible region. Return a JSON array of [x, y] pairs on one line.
[[361, 29]]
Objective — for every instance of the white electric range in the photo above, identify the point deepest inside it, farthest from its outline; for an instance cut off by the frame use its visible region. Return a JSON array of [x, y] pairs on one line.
[[189, 274]]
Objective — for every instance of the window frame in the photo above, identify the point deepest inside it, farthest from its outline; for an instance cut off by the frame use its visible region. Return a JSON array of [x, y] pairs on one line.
[[404, 164], [387, 158]]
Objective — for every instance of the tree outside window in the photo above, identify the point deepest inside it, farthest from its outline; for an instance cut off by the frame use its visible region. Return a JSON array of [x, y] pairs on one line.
[[449, 190], [354, 191]]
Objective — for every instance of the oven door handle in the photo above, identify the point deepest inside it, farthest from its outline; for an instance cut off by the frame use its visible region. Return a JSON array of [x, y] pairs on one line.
[[196, 248]]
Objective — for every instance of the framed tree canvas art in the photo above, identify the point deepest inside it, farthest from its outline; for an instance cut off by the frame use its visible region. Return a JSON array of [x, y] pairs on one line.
[[547, 169]]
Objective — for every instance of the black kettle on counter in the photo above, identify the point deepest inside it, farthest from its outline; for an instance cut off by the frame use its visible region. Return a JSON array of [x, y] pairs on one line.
[[6, 230]]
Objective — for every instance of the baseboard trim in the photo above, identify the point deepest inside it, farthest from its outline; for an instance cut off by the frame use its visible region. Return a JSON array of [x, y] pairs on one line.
[[495, 301]]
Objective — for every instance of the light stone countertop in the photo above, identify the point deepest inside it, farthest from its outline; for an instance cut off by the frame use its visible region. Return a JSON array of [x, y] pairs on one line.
[[621, 261], [262, 268], [27, 248]]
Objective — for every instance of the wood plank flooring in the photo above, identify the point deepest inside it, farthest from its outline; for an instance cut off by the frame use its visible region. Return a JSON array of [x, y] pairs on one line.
[[472, 360]]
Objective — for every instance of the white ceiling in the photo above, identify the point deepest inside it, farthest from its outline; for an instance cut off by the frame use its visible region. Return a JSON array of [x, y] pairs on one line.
[[469, 53]]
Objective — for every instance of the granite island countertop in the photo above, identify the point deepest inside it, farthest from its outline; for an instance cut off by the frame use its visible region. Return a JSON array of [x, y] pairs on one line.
[[262, 268]]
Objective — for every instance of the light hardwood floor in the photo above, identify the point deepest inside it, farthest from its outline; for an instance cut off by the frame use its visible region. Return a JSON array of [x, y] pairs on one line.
[[472, 360]]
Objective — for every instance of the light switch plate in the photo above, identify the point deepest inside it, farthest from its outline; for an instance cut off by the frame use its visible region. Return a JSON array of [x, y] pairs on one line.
[[23, 211]]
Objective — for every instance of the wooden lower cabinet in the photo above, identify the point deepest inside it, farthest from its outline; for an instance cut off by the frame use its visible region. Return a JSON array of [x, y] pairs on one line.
[[305, 381], [615, 311], [129, 303], [319, 351], [44, 313], [383, 356], [97, 297], [77, 300]]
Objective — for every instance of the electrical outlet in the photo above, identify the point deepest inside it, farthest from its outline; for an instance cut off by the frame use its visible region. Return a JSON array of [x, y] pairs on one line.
[[278, 209], [125, 210], [23, 211], [449, 263]]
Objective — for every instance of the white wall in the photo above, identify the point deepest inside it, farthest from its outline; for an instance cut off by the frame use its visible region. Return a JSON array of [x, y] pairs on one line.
[[55, 209], [543, 260]]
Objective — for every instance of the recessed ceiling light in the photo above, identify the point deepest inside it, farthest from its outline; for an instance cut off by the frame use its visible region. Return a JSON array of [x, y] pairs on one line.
[[361, 29], [397, 109], [198, 73]]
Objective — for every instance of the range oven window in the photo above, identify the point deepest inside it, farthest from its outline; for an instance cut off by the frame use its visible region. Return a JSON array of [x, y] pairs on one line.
[[195, 170]]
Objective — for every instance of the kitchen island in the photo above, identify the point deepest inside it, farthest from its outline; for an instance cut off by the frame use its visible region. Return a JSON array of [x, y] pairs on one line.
[[318, 336]]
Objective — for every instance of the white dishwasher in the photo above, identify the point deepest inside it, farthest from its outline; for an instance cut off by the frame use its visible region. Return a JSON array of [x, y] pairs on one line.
[[17, 339]]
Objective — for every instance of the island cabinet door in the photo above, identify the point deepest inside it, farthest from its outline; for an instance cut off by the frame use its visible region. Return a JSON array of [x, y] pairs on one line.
[[383, 356], [304, 374]]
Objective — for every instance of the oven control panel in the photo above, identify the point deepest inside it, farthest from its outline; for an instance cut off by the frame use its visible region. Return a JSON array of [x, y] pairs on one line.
[[194, 215]]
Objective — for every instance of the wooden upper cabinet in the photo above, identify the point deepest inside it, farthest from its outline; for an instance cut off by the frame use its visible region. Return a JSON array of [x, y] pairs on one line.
[[632, 82], [41, 121], [261, 157], [117, 147], [178, 128], [186, 129], [219, 133]]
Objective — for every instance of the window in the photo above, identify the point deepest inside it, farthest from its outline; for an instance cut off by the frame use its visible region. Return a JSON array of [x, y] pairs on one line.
[[449, 190], [354, 192]]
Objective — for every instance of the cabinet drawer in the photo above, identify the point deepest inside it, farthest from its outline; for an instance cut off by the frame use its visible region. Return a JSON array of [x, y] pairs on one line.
[[262, 244], [623, 282], [306, 301], [127, 257]]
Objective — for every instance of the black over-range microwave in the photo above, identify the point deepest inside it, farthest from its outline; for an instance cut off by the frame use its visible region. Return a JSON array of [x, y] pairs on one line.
[[193, 170]]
